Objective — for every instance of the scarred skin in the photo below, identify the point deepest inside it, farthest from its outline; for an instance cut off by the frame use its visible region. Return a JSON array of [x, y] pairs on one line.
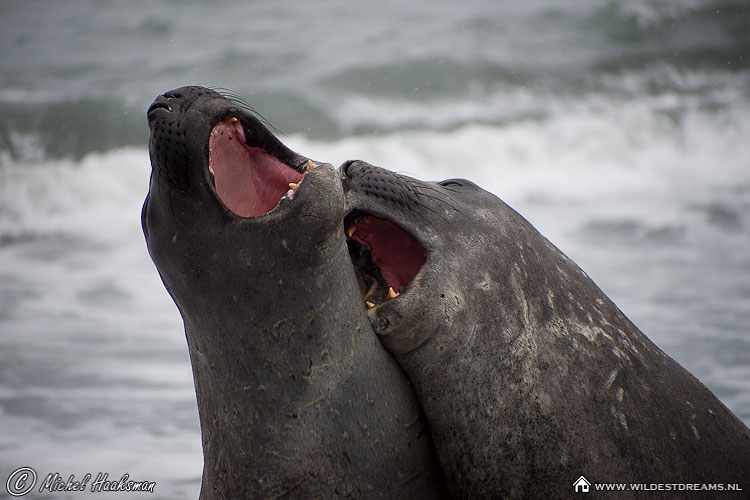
[[296, 396], [529, 375]]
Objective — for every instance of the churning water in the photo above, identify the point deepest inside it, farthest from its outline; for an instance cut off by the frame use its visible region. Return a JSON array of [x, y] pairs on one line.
[[620, 129]]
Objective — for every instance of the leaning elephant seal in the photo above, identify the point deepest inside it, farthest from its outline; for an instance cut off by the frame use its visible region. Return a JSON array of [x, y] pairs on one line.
[[296, 396], [529, 375]]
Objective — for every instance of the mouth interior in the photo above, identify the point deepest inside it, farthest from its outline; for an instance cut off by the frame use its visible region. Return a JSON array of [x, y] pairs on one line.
[[384, 255], [249, 181]]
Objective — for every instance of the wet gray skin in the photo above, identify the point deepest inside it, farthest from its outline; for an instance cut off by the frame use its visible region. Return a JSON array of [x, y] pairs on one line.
[[529, 375], [296, 396]]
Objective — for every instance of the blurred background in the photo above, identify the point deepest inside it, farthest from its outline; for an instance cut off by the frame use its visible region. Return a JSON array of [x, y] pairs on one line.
[[621, 130]]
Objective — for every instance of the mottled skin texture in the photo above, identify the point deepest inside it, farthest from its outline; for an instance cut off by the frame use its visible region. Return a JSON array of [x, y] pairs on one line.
[[296, 396], [529, 375]]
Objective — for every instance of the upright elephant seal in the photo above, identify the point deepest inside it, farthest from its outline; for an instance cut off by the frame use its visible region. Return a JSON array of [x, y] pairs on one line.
[[296, 396], [529, 375]]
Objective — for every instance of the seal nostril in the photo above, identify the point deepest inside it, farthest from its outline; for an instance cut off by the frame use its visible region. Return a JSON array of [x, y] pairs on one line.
[[173, 95], [158, 105]]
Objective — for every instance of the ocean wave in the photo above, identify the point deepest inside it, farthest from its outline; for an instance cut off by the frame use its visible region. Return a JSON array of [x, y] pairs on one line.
[[599, 150], [648, 20], [633, 196], [619, 129], [53, 198], [38, 130], [67, 129]]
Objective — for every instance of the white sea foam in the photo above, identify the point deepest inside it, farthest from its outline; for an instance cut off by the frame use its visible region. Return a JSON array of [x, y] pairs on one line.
[[618, 156], [96, 376]]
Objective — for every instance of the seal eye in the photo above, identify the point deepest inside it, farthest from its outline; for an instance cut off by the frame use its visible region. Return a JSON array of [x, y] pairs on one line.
[[451, 182]]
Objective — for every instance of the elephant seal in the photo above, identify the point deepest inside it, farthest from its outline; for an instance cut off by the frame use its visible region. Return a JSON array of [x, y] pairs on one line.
[[296, 396], [529, 375]]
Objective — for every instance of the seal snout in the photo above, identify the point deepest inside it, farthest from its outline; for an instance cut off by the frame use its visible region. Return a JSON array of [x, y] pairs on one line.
[[159, 104], [164, 102]]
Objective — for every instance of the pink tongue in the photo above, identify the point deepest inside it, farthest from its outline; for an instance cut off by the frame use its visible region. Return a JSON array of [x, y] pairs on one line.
[[248, 180]]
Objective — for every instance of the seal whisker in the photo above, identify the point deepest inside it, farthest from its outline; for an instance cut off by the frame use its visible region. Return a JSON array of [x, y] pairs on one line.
[[427, 187], [416, 200], [439, 199], [427, 207], [419, 189], [231, 95]]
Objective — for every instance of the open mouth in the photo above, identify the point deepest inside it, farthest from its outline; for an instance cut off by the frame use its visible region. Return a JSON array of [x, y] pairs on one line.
[[249, 180], [385, 256]]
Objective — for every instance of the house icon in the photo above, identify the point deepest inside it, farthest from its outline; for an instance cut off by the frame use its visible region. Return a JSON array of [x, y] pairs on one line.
[[582, 484]]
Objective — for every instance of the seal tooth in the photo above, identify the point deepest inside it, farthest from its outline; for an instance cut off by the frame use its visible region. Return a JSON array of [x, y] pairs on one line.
[[232, 119], [353, 228], [310, 165], [293, 186], [369, 304], [392, 294]]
